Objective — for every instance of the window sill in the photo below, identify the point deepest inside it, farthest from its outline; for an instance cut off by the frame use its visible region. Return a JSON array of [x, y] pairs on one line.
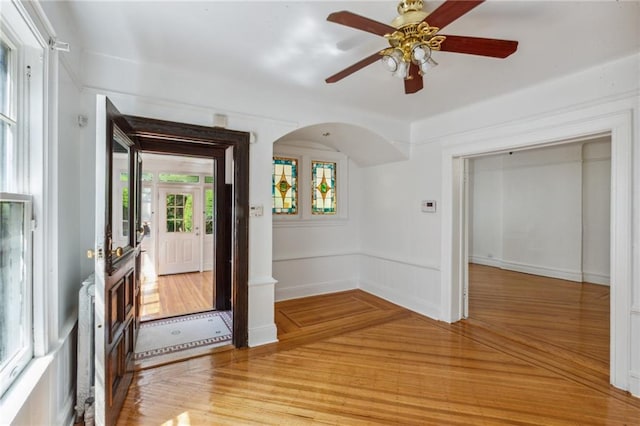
[[16, 396]]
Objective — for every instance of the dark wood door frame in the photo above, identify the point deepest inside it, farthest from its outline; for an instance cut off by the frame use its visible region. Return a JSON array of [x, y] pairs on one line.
[[165, 137]]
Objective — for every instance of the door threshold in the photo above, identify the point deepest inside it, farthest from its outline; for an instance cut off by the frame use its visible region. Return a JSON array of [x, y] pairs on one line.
[[147, 318], [161, 360]]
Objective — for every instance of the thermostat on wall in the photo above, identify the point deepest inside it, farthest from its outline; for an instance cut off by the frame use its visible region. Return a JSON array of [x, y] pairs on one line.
[[428, 206]]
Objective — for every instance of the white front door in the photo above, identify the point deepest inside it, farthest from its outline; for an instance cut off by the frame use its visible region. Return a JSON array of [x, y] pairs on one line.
[[179, 230]]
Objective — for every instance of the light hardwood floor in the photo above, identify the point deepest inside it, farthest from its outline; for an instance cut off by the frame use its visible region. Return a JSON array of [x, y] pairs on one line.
[[571, 319], [351, 358], [178, 294]]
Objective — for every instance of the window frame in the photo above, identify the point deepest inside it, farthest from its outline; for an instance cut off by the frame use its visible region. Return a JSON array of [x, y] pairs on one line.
[[305, 216], [32, 151]]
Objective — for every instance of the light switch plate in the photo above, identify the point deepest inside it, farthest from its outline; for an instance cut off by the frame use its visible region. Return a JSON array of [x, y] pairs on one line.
[[256, 211], [428, 206]]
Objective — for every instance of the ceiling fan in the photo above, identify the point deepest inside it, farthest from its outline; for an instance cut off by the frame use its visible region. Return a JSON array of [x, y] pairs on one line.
[[414, 35]]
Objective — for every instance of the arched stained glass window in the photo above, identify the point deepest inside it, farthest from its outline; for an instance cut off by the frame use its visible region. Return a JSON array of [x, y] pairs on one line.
[[323, 187], [284, 189]]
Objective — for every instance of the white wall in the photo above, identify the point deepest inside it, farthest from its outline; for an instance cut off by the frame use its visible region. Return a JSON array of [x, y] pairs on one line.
[[485, 209], [400, 244], [596, 212], [542, 211], [527, 211], [72, 244]]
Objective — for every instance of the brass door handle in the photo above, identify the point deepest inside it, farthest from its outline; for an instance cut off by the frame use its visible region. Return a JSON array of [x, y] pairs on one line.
[[118, 251], [91, 254]]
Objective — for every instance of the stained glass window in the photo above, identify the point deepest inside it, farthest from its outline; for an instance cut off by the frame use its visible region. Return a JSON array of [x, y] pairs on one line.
[[285, 185], [323, 187]]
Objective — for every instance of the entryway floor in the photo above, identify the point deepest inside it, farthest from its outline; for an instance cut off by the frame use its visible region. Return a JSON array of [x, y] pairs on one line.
[[175, 295]]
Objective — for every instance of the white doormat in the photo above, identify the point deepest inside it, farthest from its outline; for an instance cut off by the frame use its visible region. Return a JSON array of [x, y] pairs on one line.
[[170, 335]]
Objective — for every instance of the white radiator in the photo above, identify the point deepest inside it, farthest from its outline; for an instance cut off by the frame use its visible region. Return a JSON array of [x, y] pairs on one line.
[[86, 353]]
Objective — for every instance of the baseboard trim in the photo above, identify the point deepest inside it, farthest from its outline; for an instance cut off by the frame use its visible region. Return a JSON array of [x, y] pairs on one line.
[[314, 289], [563, 274], [418, 305], [634, 383], [263, 335], [487, 261], [594, 278]]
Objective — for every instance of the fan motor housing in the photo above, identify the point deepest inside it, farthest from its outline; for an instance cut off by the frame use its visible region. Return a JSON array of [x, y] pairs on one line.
[[410, 12]]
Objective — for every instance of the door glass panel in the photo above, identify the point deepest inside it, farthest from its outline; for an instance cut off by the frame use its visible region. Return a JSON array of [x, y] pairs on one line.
[[121, 194], [208, 211], [178, 178], [125, 212], [179, 212], [146, 211]]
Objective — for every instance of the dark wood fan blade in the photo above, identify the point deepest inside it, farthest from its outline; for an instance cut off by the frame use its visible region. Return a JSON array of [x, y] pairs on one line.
[[449, 11], [414, 82], [479, 46], [358, 22], [353, 68]]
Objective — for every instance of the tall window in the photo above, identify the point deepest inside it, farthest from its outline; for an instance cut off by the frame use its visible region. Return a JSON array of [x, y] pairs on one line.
[[323, 181], [208, 211], [16, 219], [284, 187]]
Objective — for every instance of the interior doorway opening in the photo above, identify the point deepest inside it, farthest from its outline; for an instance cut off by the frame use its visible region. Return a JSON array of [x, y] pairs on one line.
[[539, 246], [577, 125], [178, 251]]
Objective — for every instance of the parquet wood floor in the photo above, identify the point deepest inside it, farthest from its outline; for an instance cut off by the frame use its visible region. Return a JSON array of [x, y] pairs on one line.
[[178, 294], [380, 365]]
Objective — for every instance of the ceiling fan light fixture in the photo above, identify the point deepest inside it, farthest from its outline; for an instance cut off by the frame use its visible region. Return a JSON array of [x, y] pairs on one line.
[[403, 70], [427, 64], [394, 62], [414, 35], [420, 52]]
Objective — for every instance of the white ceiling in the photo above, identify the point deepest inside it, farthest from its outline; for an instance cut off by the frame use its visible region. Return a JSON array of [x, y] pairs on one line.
[[290, 47]]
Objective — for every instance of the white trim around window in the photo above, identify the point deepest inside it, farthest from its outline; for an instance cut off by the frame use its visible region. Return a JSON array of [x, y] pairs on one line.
[[28, 152]]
